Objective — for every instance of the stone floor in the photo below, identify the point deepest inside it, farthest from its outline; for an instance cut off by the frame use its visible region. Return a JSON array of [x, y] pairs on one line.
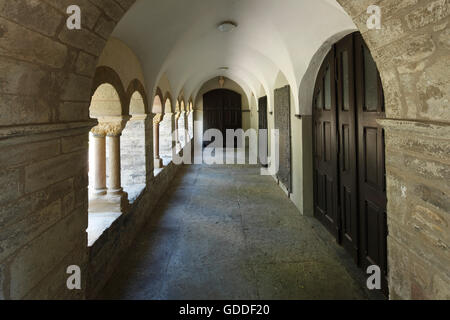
[[226, 232]]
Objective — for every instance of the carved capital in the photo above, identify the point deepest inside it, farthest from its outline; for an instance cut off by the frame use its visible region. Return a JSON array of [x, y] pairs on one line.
[[111, 127], [157, 119], [98, 131], [114, 129]]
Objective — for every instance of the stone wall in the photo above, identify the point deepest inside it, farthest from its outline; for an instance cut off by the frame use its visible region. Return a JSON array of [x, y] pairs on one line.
[[46, 73], [43, 211], [412, 51]]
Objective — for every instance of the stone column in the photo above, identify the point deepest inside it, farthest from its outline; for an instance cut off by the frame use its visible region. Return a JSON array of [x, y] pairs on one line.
[[156, 121], [99, 164], [113, 128], [115, 181], [177, 135], [186, 129]]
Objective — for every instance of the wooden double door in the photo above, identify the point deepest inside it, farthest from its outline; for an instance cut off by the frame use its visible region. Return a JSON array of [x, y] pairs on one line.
[[349, 159], [222, 110]]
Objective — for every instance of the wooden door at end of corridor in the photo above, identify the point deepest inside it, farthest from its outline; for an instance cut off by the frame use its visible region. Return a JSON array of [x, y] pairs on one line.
[[222, 110], [349, 157]]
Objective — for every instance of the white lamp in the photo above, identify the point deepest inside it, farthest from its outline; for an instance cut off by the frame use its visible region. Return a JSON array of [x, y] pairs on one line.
[[227, 26]]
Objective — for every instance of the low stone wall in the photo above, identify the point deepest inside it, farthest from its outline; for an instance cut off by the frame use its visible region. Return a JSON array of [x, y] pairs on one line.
[[106, 252]]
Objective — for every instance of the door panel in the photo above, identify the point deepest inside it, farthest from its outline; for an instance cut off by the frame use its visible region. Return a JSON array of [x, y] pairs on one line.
[[222, 110], [372, 172], [263, 135], [348, 182], [325, 156]]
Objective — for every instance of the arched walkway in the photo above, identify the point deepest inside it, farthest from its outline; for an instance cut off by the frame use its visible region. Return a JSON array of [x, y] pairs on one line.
[[52, 113]]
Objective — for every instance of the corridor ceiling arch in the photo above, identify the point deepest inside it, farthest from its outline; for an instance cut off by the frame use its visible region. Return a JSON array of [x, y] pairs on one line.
[[270, 36]]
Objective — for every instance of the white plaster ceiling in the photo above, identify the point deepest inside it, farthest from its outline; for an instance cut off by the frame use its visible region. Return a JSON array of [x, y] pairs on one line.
[[180, 39]]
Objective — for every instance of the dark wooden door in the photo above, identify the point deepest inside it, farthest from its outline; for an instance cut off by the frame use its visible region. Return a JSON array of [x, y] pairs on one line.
[[222, 110], [325, 147], [348, 169], [371, 155], [263, 138], [349, 158]]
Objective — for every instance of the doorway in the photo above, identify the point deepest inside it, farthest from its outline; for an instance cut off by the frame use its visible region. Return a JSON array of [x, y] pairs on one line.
[[349, 157], [222, 110]]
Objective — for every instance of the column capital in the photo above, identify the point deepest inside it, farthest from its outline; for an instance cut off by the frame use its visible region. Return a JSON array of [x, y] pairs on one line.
[[111, 126], [157, 119], [98, 131]]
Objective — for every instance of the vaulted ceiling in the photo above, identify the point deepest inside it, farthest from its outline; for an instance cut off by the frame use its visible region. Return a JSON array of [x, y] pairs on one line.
[[181, 39]]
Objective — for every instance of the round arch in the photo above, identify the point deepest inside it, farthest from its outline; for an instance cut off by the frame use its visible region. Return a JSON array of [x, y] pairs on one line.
[[134, 87], [168, 103], [306, 90], [158, 100], [106, 75]]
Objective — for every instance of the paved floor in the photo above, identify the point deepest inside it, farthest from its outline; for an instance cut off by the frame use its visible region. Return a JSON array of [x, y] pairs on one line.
[[226, 232]]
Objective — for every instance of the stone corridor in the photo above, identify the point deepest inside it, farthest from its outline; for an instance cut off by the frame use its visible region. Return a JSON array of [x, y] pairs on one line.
[[226, 232]]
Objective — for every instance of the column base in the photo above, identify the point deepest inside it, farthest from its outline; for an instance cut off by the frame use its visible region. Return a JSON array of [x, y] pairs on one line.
[[100, 192], [115, 192], [158, 163]]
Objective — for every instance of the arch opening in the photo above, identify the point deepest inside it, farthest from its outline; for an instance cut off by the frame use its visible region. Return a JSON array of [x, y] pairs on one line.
[[133, 141]]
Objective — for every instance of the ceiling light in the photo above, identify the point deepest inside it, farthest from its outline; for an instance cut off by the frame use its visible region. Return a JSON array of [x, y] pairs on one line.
[[227, 26]]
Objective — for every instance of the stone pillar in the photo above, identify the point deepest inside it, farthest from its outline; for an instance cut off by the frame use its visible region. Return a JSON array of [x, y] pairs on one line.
[[149, 154], [177, 134], [99, 164], [186, 127], [157, 159], [115, 181], [113, 128]]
